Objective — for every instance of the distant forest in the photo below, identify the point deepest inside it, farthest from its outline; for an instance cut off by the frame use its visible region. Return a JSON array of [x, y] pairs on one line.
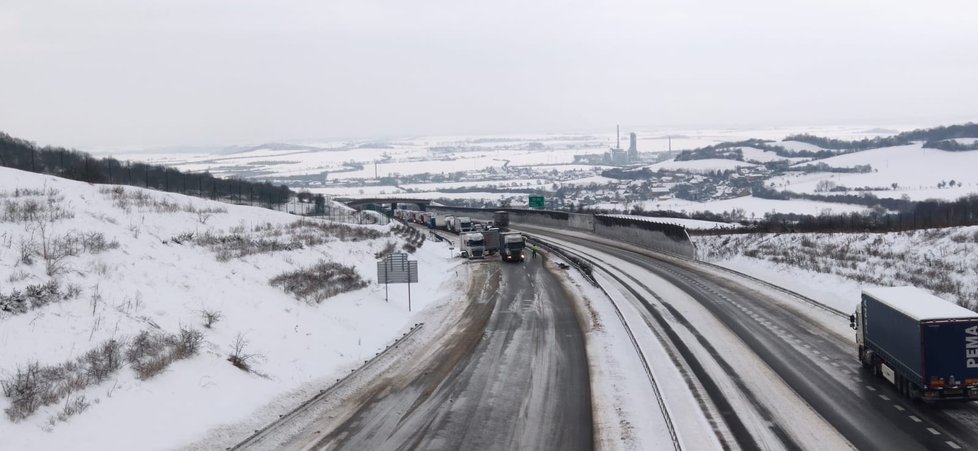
[[934, 138], [72, 164]]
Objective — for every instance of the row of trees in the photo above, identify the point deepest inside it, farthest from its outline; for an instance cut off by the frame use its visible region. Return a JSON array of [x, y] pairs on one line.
[[936, 137], [923, 215], [72, 164]]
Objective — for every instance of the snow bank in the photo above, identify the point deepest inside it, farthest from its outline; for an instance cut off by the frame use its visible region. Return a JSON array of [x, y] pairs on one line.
[[153, 281]]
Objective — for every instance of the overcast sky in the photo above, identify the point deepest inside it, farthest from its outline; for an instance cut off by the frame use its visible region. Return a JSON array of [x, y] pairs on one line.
[[112, 73]]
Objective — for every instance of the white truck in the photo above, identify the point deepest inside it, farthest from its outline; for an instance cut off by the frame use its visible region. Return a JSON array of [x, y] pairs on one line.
[[464, 224], [439, 222], [472, 245]]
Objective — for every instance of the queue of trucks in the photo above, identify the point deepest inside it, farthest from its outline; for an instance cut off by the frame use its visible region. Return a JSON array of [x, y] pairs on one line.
[[923, 345], [476, 239]]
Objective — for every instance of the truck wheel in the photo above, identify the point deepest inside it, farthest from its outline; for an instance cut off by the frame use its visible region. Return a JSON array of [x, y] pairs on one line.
[[865, 358]]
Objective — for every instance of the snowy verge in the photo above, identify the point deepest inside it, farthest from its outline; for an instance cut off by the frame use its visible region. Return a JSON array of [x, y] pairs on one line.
[[165, 259], [833, 267], [623, 401]]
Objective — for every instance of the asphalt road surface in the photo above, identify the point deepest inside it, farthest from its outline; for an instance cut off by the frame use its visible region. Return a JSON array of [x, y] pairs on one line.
[[518, 379], [821, 369]]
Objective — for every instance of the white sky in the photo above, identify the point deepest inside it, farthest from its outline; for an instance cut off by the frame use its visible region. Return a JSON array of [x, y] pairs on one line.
[[114, 73]]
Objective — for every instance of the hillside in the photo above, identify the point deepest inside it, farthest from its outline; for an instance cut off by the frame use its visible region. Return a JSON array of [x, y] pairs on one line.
[[106, 293], [909, 170], [833, 268]]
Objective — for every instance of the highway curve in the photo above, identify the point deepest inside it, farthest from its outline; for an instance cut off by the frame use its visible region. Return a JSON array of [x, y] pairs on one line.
[[524, 385], [817, 366]]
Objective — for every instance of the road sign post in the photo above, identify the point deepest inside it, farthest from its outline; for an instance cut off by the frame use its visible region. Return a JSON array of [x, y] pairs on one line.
[[396, 268]]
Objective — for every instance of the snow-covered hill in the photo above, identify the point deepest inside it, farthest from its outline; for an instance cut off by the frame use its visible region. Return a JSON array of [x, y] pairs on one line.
[[105, 292], [912, 170], [833, 268]]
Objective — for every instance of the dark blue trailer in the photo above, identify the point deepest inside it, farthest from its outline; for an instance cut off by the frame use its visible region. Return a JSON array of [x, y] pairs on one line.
[[925, 346]]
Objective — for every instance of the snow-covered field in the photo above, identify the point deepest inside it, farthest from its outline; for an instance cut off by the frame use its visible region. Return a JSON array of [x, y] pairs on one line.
[[701, 166], [916, 171], [754, 155], [833, 268], [130, 260]]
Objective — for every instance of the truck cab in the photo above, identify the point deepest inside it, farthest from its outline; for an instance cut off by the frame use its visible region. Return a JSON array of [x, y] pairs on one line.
[[464, 224], [472, 245], [511, 247]]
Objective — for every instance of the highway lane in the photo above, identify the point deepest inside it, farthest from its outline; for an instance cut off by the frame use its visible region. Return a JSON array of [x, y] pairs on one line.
[[817, 364], [524, 385]]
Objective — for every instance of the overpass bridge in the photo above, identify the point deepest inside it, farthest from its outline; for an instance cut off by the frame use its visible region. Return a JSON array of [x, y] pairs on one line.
[[391, 202]]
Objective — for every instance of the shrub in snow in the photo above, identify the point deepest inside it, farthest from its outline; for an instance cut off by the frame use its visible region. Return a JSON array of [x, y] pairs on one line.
[[388, 249], [239, 357], [33, 386], [210, 317], [127, 199], [35, 296], [319, 282], [29, 205], [268, 238], [339, 231], [72, 406], [149, 353]]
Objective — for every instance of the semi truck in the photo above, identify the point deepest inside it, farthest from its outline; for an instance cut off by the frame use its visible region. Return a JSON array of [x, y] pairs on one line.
[[512, 246], [923, 345], [472, 245], [500, 219], [492, 241], [463, 224]]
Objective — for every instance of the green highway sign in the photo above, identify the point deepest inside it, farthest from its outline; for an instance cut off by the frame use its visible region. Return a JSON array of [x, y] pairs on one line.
[[536, 201]]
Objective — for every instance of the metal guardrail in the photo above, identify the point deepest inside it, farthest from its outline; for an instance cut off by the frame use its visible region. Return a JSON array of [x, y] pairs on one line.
[[263, 432], [586, 268]]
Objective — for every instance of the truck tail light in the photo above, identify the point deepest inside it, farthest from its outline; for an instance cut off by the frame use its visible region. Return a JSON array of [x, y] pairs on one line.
[[971, 382], [936, 383]]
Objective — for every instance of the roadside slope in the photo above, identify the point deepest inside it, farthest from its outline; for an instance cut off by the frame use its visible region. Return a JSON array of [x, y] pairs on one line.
[[124, 261]]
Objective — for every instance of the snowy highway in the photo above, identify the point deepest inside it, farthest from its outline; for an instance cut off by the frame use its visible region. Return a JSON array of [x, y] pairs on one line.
[[510, 373], [771, 370]]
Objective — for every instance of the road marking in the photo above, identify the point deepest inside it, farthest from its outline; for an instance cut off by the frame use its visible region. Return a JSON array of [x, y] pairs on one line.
[[871, 388], [816, 352], [915, 419], [884, 397], [835, 364], [952, 444], [899, 407], [933, 431], [827, 358]]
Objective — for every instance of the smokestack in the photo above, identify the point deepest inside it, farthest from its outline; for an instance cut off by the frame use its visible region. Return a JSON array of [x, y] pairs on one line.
[[618, 136]]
